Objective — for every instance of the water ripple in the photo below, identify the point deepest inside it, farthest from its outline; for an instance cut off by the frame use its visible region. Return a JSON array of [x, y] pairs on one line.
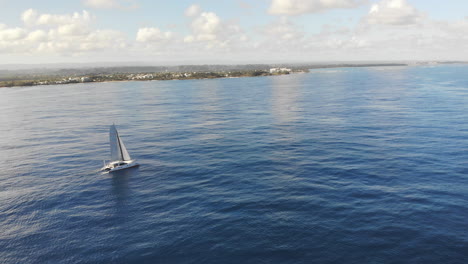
[[343, 166]]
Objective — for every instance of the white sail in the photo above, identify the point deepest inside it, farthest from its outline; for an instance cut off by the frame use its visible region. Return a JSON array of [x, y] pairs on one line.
[[125, 155], [117, 147]]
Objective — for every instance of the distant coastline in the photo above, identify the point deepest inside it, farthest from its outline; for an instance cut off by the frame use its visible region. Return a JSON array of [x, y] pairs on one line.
[[141, 76], [35, 77]]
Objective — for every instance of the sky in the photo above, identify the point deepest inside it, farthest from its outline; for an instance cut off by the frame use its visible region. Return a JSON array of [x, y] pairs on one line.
[[231, 31]]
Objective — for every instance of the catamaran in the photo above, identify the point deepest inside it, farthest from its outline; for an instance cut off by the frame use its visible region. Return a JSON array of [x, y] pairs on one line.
[[120, 159]]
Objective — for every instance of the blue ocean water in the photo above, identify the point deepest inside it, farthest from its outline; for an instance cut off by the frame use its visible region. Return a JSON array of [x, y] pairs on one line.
[[349, 165]]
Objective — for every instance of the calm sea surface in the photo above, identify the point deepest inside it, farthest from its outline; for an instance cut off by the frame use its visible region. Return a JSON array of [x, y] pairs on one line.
[[352, 165]]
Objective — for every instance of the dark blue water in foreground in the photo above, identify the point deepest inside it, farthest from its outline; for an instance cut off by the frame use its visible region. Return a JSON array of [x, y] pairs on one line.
[[365, 165]]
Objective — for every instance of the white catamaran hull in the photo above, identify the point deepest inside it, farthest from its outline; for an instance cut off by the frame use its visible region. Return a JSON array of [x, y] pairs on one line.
[[116, 166]]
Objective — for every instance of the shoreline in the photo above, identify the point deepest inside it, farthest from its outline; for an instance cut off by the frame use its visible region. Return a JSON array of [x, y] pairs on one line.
[[103, 75], [26, 81]]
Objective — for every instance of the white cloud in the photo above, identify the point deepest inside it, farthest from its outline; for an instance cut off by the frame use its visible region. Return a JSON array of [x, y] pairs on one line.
[[9, 34], [37, 36], [212, 37], [58, 34], [151, 34], [394, 12], [281, 36], [209, 30], [192, 10], [298, 7], [206, 26], [431, 40], [53, 47], [29, 17], [102, 40], [99, 40], [189, 39], [283, 29], [109, 4], [101, 3], [72, 30], [32, 18]]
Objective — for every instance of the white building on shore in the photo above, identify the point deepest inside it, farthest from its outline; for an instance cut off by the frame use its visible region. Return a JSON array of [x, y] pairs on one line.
[[280, 70]]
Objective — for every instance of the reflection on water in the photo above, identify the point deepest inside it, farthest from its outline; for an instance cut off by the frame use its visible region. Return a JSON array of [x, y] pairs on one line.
[[209, 96], [120, 188], [392, 90], [208, 117], [287, 112], [284, 100]]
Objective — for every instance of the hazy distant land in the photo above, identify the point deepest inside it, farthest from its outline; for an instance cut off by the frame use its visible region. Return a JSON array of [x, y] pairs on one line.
[[50, 76]]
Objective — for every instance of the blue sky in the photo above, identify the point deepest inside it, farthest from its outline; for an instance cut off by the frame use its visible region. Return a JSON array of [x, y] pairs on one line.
[[235, 31]]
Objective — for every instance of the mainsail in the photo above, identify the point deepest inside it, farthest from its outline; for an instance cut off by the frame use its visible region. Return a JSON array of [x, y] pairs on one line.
[[118, 150]]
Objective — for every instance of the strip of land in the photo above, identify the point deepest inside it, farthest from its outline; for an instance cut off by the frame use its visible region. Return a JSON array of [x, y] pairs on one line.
[[140, 76], [45, 76]]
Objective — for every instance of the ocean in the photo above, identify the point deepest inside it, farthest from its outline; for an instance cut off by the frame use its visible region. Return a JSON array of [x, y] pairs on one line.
[[346, 165]]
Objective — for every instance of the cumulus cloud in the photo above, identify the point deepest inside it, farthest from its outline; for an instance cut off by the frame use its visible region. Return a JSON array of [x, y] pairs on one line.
[[394, 12], [298, 7], [432, 40], [281, 36], [57, 34], [37, 36], [98, 40], [108, 4], [72, 30], [283, 29], [101, 3], [31, 17], [208, 31], [152, 34], [208, 28], [192, 10], [102, 40], [212, 36], [11, 34]]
